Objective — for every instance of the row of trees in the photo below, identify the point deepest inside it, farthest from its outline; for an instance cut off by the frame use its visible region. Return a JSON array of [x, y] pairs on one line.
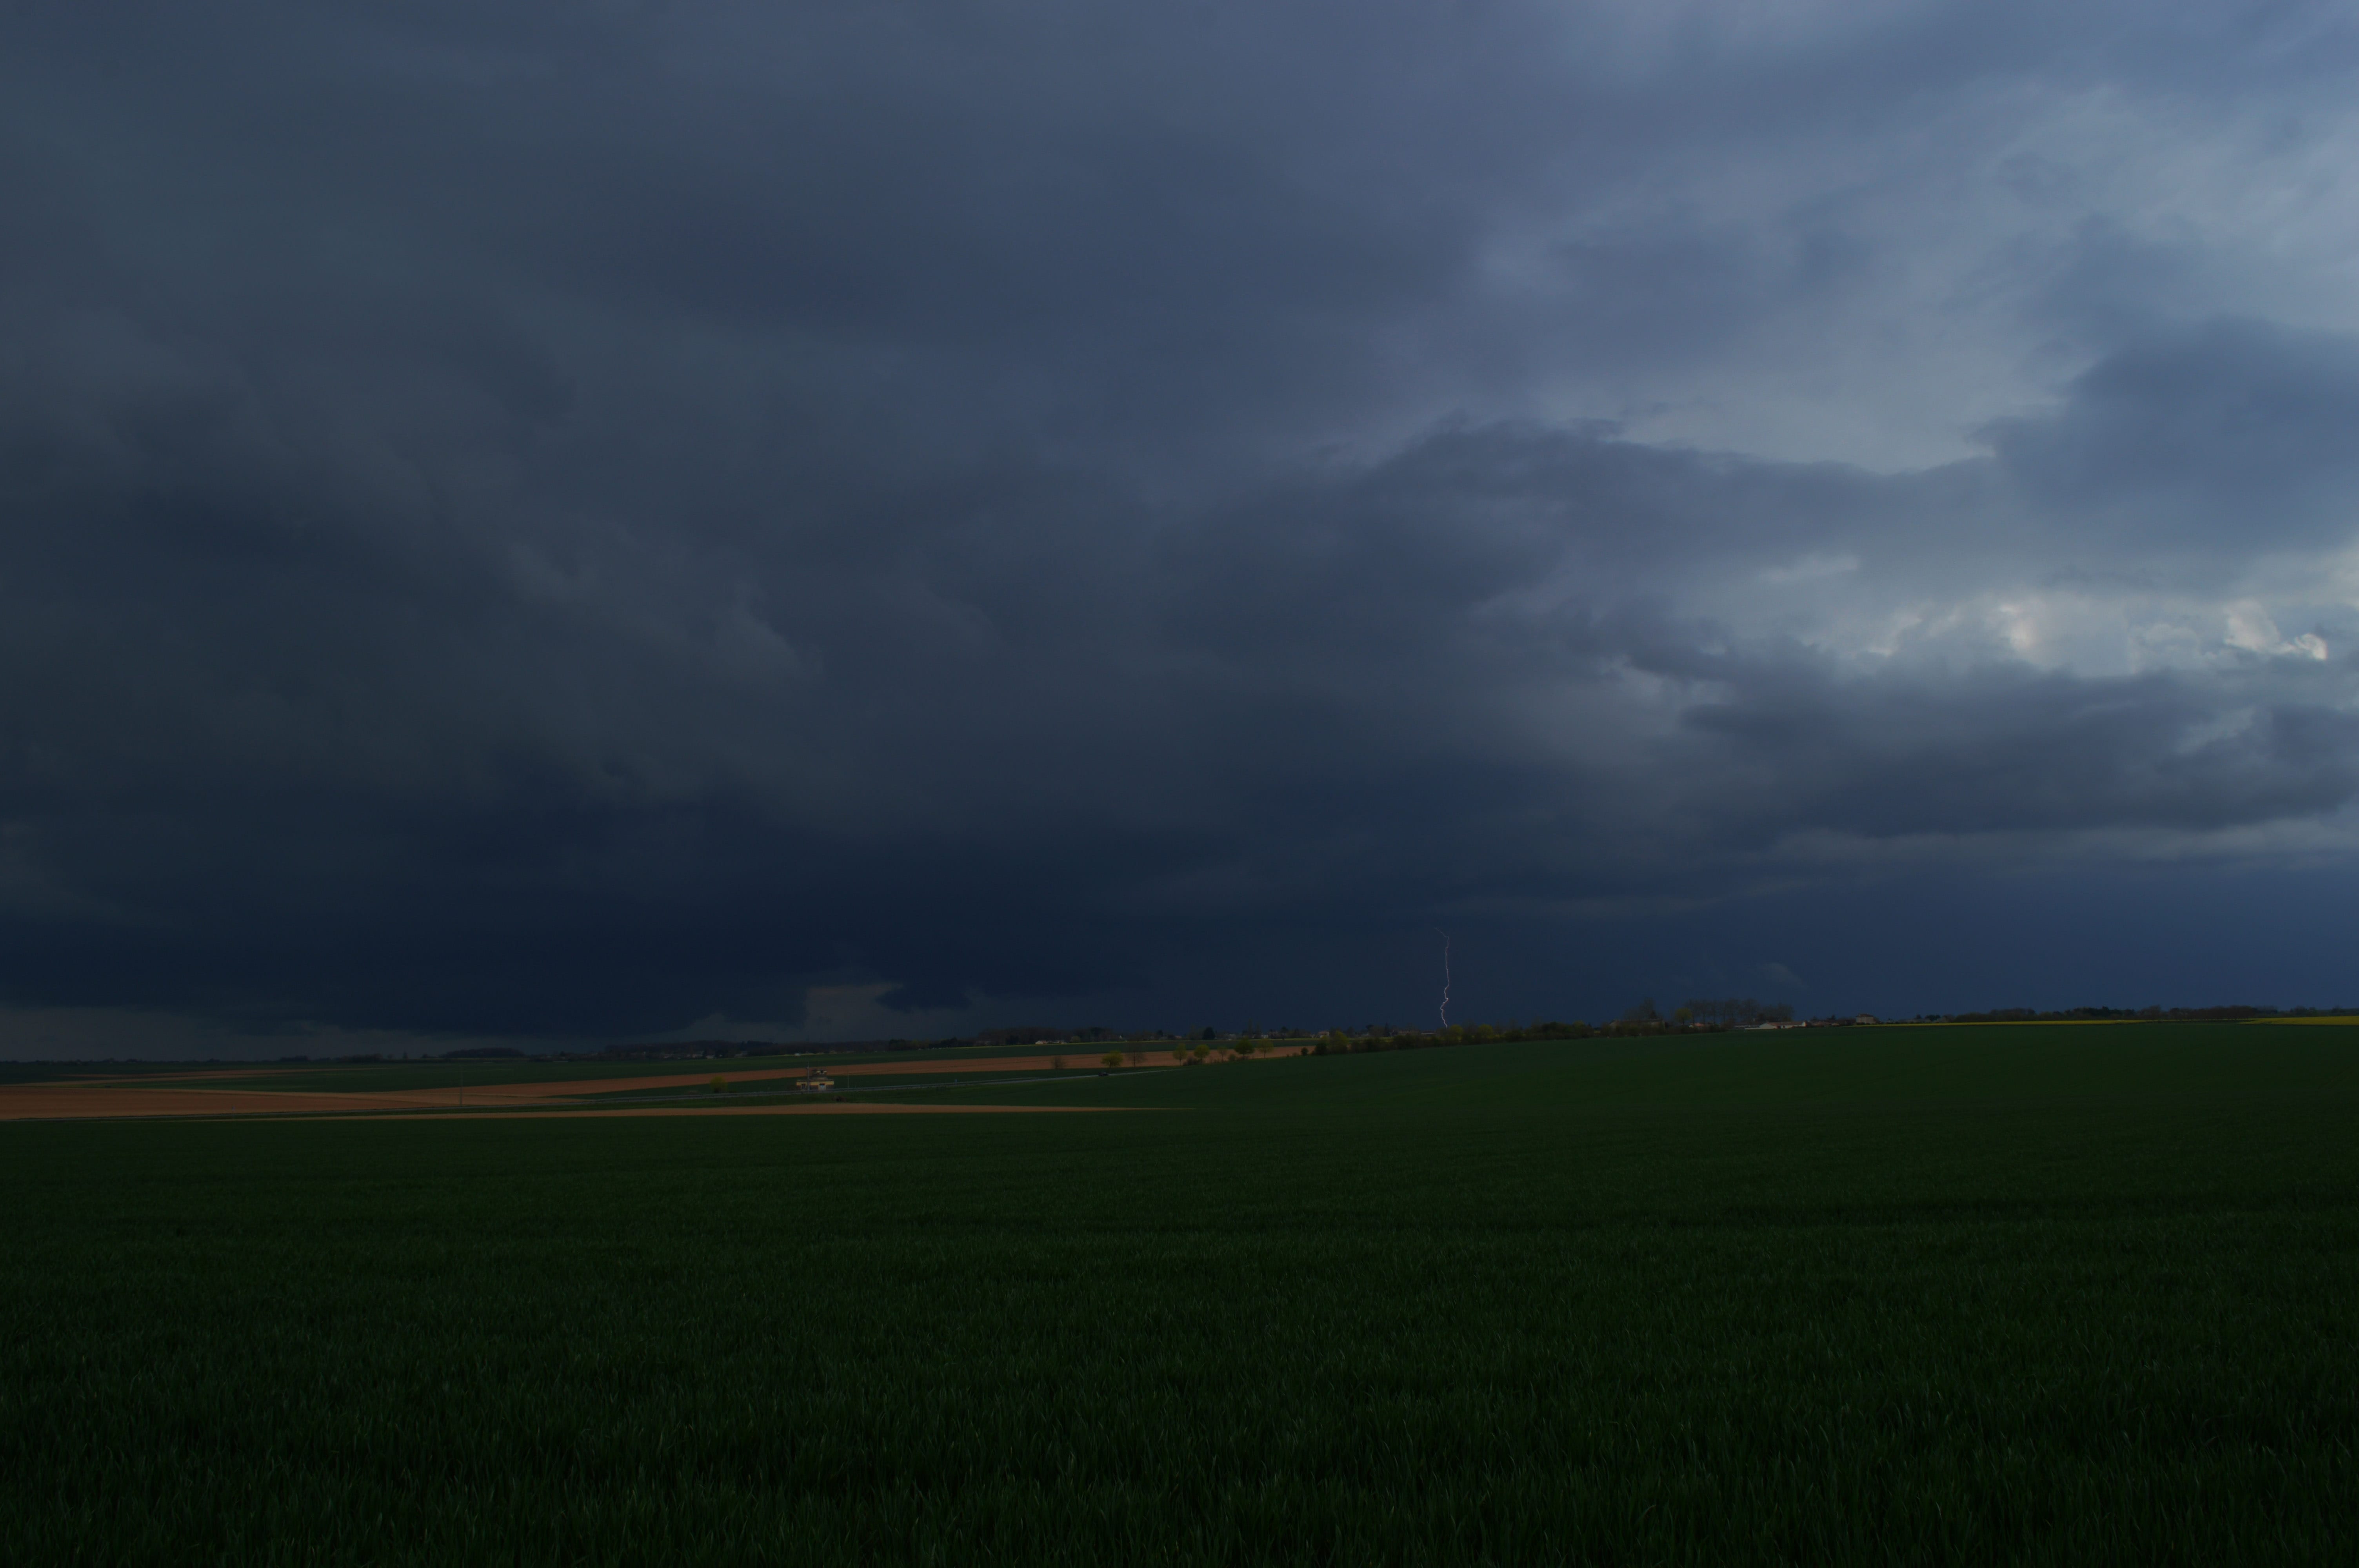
[[1695, 1014], [1730, 1012], [1195, 1054], [2183, 1015]]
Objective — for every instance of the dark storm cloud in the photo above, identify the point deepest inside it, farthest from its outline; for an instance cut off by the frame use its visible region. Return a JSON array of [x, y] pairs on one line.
[[2231, 423], [581, 519]]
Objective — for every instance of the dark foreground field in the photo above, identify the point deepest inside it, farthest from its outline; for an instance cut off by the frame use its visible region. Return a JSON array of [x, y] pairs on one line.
[[2069, 1295]]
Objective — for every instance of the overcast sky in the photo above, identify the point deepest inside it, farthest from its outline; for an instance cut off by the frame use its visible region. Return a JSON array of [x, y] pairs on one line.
[[593, 521]]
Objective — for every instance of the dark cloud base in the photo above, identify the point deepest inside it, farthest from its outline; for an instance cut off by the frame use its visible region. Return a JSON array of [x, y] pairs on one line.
[[565, 525]]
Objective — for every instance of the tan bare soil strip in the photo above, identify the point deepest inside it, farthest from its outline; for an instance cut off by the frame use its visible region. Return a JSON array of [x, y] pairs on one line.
[[476, 1094], [28, 1101], [817, 1108], [40, 1102], [21, 1102], [47, 1102], [16, 1105], [206, 1074], [134, 1097]]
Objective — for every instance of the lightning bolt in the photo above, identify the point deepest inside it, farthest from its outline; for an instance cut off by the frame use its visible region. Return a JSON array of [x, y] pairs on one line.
[[1438, 931]]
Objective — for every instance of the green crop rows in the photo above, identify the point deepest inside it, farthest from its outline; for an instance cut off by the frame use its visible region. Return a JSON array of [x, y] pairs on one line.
[[2021, 1295]]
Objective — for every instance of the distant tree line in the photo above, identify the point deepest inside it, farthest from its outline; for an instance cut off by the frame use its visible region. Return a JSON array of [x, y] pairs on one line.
[[2182, 1014], [1696, 1015], [1734, 1011]]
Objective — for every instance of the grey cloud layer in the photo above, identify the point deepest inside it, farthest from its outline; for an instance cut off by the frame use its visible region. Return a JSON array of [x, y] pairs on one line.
[[578, 520]]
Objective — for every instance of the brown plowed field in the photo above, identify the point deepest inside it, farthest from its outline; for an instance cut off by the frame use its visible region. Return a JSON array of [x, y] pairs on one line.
[[46, 1102], [190, 1094], [207, 1075], [41, 1102], [814, 1107], [136, 1096]]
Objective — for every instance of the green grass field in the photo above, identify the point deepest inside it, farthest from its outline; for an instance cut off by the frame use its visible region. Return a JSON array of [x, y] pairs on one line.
[[2010, 1294]]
